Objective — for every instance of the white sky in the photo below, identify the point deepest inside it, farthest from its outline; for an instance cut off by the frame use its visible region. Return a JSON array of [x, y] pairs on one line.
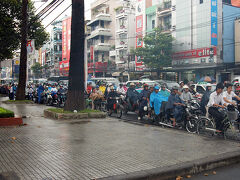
[[59, 10]]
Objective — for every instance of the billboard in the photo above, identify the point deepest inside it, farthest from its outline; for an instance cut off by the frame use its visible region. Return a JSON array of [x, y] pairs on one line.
[[30, 46], [195, 56], [66, 44], [235, 3], [214, 23]]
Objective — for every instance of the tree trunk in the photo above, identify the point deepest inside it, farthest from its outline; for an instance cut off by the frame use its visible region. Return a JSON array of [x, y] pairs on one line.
[[23, 56], [75, 96]]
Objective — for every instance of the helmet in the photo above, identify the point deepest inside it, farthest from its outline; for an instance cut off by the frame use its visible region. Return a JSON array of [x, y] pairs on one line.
[[145, 85], [156, 87], [112, 88], [132, 84], [238, 89], [97, 86], [185, 87], [174, 88], [181, 82], [163, 86]]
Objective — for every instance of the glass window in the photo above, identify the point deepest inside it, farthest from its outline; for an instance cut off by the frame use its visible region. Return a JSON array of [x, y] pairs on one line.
[[153, 24], [201, 1]]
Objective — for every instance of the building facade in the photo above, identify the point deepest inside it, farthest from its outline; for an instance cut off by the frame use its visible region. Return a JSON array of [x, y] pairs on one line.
[[125, 33], [102, 37]]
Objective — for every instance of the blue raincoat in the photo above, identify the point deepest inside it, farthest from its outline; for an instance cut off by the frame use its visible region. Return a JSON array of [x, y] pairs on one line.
[[156, 100]]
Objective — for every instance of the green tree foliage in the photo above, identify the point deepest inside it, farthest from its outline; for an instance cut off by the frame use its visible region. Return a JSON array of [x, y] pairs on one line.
[[38, 69], [157, 50], [10, 21]]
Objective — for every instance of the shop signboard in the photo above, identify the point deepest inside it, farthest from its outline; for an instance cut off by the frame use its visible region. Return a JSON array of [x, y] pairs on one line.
[[214, 23], [195, 56]]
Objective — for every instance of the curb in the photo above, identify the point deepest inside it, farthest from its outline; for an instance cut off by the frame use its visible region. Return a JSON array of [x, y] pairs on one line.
[[188, 168], [54, 115], [12, 121], [17, 102]]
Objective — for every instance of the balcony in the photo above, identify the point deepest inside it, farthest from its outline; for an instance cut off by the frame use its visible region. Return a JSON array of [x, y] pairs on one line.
[[166, 28], [105, 47], [100, 32], [100, 17], [122, 45], [121, 14], [165, 9], [122, 29]]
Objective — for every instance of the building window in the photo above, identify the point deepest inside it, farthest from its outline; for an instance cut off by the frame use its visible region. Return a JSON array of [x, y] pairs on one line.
[[102, 39], [201, 1], [153, 24], [102, 24]]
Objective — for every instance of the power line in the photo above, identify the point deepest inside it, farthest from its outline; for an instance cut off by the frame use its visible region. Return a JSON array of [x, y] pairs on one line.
[[53, 9]]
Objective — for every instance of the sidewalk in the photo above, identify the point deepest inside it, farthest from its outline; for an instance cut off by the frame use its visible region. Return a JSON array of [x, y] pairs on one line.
[[50, 149]]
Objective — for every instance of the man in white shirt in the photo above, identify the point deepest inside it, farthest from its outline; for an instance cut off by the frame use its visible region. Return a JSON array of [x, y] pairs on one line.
[[229, 95], [215, 102]]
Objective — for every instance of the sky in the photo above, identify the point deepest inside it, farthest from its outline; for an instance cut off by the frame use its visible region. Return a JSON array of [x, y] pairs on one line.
[[48, 19]]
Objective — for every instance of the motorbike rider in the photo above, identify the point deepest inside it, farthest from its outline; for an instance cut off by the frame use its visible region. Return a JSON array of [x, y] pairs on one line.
[[186, 95], [181, 83], [143, 100], [164, 92], [156, 100], [229, 95], [121, 89], [102, 87], [191, 90], [61, 90], [29, 92], [205, 99], [174, 106], [40, 91], [132, 96], [110, 98], [216, 102]]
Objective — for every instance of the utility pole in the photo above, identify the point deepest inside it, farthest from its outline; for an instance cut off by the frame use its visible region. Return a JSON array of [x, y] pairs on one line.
[[23, 55]]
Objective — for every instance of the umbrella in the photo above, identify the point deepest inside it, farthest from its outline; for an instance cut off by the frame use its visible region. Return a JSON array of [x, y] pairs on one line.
[[207, 79]]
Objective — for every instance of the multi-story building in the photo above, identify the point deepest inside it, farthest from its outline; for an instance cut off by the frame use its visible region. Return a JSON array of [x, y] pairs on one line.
[[101, 40], [55, 48], [164, 15], [125, 33]]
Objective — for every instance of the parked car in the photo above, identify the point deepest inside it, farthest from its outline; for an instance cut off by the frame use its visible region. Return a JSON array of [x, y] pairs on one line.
[[106, 80]]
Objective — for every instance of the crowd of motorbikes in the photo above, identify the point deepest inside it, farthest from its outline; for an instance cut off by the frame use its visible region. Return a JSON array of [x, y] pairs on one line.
[[192, 119], [51, 95], [122, 100]]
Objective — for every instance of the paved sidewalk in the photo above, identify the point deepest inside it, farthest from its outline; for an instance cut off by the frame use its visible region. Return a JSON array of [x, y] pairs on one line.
[[54, 149]]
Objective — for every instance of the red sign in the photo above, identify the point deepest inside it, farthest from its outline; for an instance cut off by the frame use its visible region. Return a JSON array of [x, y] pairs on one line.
[[195, 53], [235, 3], [66, 45], [98, 66], [92, 53]]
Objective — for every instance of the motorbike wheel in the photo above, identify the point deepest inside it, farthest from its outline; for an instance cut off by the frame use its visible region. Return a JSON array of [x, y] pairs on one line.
[[109, 112], [204, 123], [119, 112], [50, 102], [191, 125]]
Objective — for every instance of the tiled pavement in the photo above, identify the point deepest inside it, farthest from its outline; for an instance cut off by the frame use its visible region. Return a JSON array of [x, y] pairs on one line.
[[49, 149]]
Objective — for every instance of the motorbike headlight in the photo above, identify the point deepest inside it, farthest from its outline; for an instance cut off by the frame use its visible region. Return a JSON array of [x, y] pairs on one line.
[[145, 108]]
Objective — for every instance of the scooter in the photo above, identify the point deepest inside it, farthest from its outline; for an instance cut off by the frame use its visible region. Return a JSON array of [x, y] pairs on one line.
[[117, 107]]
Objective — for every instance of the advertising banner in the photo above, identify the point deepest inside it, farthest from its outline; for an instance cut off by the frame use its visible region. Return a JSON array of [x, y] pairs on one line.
[[195, 56], [214, 23], [30, 46], [235, 3]]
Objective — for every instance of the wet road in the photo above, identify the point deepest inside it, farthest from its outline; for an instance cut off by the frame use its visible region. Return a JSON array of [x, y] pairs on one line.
[[225, 173], [69, 149]]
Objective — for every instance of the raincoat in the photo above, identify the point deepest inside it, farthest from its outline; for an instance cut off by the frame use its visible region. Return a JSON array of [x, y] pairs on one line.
[[156, 100]]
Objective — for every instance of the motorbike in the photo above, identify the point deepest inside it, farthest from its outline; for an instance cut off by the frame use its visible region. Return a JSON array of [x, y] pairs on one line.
[[61, 99], [188, 120], [206, 125], [116, 108], [130, 107]]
